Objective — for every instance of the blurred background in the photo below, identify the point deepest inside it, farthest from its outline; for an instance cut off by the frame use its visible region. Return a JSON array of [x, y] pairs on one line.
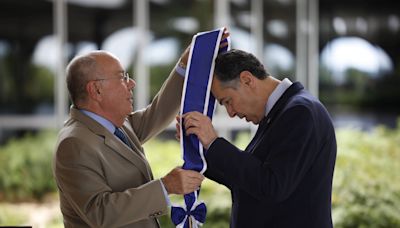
[[346, 52]]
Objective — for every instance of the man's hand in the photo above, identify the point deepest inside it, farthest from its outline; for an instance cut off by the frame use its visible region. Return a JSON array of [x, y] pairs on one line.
[[185, 55], [181, 181], [200, 125], [178, 127]]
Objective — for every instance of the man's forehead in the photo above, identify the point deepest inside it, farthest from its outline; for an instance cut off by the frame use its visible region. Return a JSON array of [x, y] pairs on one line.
[[219, 92], [216, 81], [216, 85]]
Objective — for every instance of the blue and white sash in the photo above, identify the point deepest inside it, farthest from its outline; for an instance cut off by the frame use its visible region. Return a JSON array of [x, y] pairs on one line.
[[197, 97]]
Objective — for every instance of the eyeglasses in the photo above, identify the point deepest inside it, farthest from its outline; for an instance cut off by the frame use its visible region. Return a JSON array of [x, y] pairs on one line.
[[125, 76]]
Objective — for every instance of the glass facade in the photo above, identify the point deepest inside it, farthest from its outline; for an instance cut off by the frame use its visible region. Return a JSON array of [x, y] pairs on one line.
[[358, 71], [359, 61], [26, 73]]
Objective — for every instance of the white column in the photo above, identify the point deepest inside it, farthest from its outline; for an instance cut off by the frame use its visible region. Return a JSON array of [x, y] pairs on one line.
[[313, 43], [307, 54], [257, 31], [221, 13], [222, 19], [301, 41], [141, 75], [257, 27], [60, 28]]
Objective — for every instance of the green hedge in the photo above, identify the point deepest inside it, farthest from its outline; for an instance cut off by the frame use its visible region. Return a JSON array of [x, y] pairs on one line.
[[366, 188], [164, 156], [26, 172]]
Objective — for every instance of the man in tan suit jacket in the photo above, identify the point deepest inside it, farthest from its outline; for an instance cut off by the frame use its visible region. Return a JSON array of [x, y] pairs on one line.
[[102, 181]]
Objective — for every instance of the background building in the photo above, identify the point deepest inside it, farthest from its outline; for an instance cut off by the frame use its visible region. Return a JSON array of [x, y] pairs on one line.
[[346, 52]]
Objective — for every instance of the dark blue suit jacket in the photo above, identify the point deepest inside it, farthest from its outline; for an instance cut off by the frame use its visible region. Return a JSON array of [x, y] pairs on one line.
[[284, 177]]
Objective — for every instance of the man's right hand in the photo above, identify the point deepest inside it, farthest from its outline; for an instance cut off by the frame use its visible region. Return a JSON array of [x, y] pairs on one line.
[[181, 181]]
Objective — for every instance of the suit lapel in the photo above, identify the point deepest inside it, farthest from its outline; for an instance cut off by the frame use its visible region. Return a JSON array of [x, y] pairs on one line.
[[267, 121], [114, 143], [256, 137], [134, 142], [127, 153]]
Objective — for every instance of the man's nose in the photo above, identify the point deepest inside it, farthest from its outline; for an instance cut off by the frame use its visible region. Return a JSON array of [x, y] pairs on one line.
[[231, 112], [132, 84]]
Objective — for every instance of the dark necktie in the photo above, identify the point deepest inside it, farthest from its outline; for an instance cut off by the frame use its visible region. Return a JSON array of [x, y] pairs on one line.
[[121, 136]]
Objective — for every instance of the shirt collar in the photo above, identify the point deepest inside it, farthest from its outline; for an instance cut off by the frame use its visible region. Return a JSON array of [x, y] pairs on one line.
[[276, 94], [101, 120]]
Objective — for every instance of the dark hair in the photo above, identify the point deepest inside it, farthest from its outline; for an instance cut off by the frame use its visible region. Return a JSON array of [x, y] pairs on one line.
[[230, 64], [79, 72]]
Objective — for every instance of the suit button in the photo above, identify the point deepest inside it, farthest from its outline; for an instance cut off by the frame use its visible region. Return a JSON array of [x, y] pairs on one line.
[[156, 214]]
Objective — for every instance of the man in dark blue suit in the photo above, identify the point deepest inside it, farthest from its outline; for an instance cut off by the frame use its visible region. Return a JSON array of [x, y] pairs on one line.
[[284, 176]]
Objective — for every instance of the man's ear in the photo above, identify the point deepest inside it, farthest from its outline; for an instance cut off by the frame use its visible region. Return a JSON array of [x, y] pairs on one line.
[[246, 78], [93, 90]]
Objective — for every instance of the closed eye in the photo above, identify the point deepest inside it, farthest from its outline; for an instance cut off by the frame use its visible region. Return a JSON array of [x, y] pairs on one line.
[[227, 101]]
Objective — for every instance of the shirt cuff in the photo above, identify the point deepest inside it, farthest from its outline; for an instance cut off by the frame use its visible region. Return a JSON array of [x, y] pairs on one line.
[[165, 194], [180, 70]]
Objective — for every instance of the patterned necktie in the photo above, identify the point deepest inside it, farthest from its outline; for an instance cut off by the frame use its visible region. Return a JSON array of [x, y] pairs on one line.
[[121, 136]]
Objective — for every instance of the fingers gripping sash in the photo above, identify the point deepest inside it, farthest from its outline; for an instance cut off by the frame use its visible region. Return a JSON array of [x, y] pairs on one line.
[[197, 97]]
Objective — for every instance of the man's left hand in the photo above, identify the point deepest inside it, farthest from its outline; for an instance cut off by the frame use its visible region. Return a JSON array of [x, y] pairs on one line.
[[200, 125], [185, 55]]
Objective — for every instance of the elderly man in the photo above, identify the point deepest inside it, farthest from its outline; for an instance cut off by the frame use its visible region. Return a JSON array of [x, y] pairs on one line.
[[102, 174], [284, 176]]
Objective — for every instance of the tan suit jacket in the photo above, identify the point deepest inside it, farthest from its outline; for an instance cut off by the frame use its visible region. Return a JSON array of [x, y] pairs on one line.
[[104, 183]]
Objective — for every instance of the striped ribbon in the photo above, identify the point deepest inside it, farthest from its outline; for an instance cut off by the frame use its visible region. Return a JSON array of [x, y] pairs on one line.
[[197, 97]]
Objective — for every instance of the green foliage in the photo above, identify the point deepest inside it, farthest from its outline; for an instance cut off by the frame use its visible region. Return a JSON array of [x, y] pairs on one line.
[[360, 89], [10, 216], [366, 190], [164, 156], [366, 187], [39, 86], [26, 167], [158, 76]]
